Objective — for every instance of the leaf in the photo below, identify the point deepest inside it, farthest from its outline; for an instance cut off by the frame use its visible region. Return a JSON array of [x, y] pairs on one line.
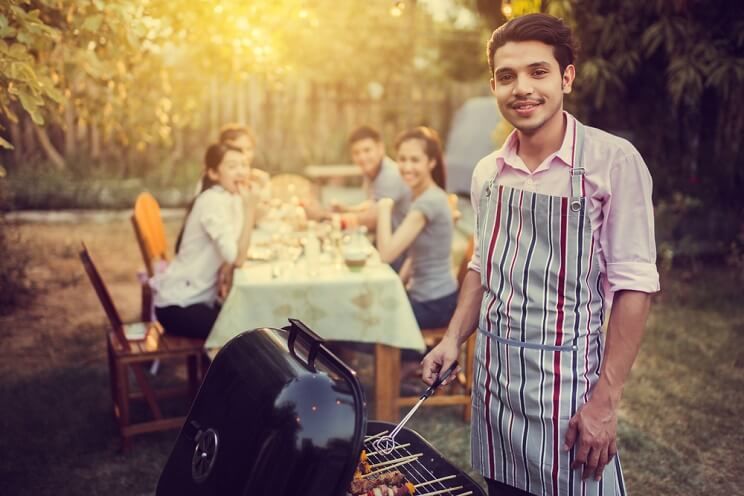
[[8, 146], [30, 105], [652, 38], [92, 23]]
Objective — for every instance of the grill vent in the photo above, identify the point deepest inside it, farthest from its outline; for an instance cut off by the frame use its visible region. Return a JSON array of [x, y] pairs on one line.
[[205, 454]]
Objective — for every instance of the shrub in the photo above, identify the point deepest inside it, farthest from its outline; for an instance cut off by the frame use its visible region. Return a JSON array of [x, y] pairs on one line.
[[14, 285]]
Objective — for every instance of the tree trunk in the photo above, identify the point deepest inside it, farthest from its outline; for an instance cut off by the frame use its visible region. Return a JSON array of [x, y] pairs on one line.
[[95, 142], [17, 140], [52, 154], [214, 114], [69, 131], [29, 142], [241, 101]]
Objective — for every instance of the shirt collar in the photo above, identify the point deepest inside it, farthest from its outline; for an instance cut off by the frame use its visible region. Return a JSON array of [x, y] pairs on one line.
[[508, 153]]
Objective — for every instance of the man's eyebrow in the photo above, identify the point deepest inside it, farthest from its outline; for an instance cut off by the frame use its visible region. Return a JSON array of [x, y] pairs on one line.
[[533, 65]]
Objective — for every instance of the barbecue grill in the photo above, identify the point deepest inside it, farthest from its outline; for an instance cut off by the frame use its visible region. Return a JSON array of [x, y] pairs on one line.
[[278, 414]]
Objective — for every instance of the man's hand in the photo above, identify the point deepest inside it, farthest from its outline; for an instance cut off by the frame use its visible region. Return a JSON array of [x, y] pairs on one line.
[[224, 280], [439, 359], [595, 428]]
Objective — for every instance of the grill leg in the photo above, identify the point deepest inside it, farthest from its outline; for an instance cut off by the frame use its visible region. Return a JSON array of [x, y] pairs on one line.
[[193, 369], [122, 377], [387, 382]]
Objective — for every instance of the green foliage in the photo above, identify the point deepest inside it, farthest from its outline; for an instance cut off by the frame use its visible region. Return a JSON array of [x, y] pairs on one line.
[[671, 74], [79, 188], [14, 259], [735, 258]]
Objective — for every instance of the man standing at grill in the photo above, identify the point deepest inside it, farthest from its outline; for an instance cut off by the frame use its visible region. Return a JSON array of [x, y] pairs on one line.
[[564, 228]]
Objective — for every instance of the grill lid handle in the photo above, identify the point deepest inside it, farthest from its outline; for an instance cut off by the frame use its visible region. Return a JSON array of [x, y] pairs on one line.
[[314, 341]]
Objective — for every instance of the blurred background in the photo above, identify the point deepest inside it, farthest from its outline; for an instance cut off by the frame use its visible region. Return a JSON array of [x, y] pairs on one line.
[[102, 99]]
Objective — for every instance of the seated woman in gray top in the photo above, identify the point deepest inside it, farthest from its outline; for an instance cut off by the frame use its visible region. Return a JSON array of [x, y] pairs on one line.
[[426, 231]]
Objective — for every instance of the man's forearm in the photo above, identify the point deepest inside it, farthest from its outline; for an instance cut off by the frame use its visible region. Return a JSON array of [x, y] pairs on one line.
[[465, 319], [624, 334]]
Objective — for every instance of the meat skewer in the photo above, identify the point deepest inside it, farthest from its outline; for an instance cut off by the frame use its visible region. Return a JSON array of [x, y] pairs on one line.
[[442, 491], [398, 464], [426, 483], [391, 462]]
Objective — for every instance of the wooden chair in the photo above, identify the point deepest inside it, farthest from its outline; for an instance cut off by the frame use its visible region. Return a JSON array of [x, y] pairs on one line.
[[150, 231], [285, 186], [457, 392], [125, 354]]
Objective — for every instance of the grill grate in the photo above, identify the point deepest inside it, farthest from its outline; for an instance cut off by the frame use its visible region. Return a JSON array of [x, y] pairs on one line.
[[417, 471]]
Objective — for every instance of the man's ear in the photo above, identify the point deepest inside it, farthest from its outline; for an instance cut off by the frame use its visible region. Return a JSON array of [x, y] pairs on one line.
[[493, 85], [569, 74]]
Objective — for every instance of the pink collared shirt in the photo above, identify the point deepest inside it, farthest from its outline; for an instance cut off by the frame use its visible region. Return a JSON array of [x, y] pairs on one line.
[[618, 189]]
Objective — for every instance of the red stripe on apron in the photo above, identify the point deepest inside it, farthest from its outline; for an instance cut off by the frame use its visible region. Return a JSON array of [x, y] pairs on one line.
[[559, 342], [489, 265]]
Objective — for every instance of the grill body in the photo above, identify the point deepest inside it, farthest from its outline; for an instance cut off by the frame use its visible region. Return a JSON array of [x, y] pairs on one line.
[[280, 415], [277, 414]]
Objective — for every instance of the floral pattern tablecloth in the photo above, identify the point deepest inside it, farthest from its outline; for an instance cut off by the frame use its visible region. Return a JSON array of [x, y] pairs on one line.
[[369, 306]]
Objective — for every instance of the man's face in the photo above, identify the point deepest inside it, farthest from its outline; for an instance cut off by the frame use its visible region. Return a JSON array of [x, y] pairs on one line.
[[367, 154], [244, 143], [528, 84]]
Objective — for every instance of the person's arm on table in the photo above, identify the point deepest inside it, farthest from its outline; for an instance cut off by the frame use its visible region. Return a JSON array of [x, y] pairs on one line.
[[593, 430], [463, 324], [392, 244], [249, 201], [405, 270]]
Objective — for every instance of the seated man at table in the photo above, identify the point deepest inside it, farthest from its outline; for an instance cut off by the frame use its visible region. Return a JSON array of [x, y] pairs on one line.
[[382, 179], [241, 136]]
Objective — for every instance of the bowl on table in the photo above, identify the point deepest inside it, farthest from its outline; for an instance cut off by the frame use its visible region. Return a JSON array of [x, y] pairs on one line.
[[355, 259]]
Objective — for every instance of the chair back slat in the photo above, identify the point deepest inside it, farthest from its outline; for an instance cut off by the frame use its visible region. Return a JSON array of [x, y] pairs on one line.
[[149, 229], [104, 297]]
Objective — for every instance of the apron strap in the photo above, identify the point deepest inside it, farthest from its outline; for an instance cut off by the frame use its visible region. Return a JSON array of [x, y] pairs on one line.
[[577, 168]]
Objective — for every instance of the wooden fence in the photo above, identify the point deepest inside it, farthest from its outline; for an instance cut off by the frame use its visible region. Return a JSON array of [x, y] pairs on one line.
[[296, 124], [308, 123]]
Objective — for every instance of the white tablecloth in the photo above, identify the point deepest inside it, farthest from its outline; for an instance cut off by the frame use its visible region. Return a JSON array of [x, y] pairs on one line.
[[369, 306]]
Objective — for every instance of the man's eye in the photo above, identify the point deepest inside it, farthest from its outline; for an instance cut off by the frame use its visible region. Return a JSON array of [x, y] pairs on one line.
[[540, 72], [505, 77]]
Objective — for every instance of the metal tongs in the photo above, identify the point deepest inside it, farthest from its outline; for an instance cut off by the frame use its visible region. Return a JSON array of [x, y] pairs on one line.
[[386, 444]]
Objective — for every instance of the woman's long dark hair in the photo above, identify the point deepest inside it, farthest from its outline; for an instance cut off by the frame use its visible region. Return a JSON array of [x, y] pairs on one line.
[[212, 160], [432, 149]]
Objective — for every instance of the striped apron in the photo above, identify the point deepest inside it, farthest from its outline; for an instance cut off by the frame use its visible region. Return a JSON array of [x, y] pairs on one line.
[[539, 344]]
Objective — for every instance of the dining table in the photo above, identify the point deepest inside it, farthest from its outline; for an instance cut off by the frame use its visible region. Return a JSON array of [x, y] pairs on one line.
[[287, 276]]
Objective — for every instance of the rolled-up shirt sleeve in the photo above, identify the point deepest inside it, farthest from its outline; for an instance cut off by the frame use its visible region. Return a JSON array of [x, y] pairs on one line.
[[215, 222], [627, 233], [475, 192]]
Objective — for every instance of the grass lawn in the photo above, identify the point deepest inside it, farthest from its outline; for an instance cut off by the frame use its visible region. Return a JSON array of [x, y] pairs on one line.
[[680, 429]]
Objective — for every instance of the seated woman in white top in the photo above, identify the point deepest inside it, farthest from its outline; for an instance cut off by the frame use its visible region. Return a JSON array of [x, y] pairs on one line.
[[426, 231], [217, 230]]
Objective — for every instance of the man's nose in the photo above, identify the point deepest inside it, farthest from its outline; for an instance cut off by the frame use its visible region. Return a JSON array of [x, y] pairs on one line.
[[523, 86]]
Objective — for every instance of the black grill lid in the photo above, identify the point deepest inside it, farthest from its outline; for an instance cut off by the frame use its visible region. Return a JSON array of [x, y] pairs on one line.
[[277, 414]]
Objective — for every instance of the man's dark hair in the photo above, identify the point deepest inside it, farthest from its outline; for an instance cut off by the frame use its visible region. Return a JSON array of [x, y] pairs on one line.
[[233, 131], [536, 27], [364, 132]]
